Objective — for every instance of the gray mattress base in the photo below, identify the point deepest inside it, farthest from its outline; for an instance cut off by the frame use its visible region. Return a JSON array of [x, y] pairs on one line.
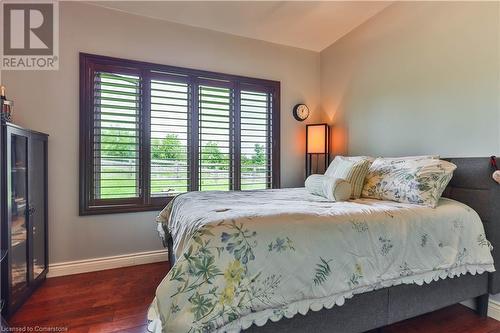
[[382, 307]]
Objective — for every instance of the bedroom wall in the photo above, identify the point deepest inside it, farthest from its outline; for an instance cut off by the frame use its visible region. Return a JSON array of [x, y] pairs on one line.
[[47, 101], [418, 78]]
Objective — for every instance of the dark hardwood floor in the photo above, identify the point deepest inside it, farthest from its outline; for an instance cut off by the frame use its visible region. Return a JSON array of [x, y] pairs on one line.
[[117, 301]]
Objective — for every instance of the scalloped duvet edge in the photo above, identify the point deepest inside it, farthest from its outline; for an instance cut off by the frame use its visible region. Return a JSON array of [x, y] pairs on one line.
[[260, 318]]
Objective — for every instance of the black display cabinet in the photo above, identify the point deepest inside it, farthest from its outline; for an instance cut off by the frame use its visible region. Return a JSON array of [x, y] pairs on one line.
[[23, 172]]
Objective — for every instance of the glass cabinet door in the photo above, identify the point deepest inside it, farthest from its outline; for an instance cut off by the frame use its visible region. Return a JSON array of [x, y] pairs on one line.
[[37, 204], [18, 209]]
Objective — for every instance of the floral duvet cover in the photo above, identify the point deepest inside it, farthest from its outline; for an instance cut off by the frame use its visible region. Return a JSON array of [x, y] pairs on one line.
[[245, 258]]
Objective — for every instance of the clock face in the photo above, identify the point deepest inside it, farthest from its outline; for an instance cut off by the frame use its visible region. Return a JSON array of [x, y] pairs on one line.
[[301, 112]]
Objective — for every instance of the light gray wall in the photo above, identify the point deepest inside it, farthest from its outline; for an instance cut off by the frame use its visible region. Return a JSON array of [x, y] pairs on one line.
[[47, 101], [418, 78]]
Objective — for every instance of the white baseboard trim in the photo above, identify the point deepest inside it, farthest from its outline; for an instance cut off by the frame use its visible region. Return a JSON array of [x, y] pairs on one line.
[[99, 264], [493, 308]]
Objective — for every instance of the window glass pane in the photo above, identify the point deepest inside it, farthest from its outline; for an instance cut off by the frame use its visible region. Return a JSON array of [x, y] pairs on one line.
[[255, 140], [215, 133], [170, 172], [19, 195], [116, 131]]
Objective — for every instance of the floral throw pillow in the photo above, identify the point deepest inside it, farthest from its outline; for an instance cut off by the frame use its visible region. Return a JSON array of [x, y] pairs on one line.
[[420, 182]]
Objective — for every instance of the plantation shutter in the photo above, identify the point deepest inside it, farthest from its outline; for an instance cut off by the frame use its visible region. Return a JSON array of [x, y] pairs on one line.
[[170, 171], [216, 152], [149, 132], [256, 140], [116, 136]]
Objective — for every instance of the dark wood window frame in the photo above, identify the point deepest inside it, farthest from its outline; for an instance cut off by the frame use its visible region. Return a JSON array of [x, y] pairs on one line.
[[145, 202]]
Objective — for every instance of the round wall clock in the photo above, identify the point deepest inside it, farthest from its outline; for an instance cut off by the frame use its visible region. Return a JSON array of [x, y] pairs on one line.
[[300, 112]]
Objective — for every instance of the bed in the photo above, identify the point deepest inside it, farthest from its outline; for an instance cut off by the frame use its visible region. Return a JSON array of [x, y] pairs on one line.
[[240, 268]]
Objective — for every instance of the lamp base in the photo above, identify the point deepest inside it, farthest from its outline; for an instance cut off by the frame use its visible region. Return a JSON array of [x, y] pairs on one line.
[[314, 168]]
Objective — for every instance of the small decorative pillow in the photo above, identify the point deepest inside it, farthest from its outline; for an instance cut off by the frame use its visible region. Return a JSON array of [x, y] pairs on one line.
[[334, 189], [416, 181], [496, 176], [352, 170]]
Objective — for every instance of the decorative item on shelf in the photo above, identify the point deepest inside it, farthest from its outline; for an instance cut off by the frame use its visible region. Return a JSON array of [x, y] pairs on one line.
[[300, 112], [317, 145], [6, 106], [496, 173]]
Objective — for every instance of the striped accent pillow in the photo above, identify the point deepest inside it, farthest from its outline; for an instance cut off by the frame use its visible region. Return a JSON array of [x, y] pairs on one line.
[[353, 171]]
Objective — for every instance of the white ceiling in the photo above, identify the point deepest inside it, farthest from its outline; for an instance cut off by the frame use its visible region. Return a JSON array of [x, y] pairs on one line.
[[311, 25]]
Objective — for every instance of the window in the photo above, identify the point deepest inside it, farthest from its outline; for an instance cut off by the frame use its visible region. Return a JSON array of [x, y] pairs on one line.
[[149, 132]]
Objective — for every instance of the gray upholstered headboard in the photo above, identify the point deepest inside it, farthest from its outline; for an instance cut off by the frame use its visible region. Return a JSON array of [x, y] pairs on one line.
[[472, 184]]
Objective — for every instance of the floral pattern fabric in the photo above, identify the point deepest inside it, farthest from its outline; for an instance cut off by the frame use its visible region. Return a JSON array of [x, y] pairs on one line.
[[415, 181], [248, 257]]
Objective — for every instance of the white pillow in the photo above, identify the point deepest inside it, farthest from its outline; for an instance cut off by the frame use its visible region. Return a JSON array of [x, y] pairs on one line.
[[352, 169], [332, 165], [413, 158], [416, 181], [358, 158], [334, 189]]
